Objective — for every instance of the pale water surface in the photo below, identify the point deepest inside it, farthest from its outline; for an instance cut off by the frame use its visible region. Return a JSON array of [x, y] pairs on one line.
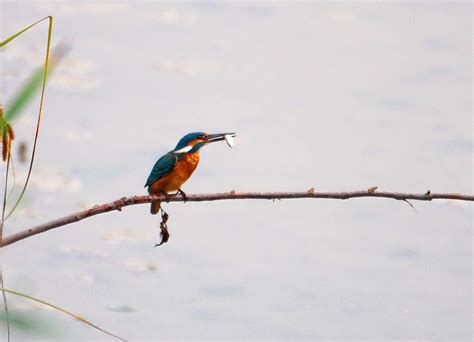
[[333, 96]]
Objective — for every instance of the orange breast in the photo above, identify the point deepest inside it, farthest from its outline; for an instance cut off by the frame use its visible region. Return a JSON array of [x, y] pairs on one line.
[[173, 181]]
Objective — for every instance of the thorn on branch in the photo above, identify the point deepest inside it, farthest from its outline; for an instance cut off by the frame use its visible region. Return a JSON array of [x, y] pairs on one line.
[[411, 205], [372, 189], [232, 192], [311, 191], [120, 203]]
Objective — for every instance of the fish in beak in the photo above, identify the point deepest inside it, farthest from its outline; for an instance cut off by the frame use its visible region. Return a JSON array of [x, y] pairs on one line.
[[228, 137]]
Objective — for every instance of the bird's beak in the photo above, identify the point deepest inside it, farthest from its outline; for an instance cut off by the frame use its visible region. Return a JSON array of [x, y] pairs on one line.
[[218, 137]]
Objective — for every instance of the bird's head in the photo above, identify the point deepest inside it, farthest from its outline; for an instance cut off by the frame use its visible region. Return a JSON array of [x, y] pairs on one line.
[[193, 142]]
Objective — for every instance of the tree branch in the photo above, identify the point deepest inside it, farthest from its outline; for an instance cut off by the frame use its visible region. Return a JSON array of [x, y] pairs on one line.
[[133, 200]]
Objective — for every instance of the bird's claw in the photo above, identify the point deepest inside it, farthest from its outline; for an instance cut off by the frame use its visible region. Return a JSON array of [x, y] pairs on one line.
[[182, 193], [167, 197]]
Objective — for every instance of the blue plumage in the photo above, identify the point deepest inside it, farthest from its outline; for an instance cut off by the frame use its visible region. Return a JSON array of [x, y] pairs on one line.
[[162, 167], [166, 163], [197, 147], [172, 170], [189, 144], [188, 138]]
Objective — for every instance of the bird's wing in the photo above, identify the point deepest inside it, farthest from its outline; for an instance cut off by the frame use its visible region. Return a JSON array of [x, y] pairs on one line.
[[162, 167]]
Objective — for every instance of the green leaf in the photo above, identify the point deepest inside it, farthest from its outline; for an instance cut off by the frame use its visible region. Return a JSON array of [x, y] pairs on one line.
[[60, 309], [31, 324], [24, 94]]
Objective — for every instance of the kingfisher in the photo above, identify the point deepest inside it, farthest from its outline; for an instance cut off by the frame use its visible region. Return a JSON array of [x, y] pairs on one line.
[[175, 167]]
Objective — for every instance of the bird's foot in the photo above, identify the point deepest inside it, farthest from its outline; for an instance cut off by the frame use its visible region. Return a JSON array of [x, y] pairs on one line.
[[164, 234], [182, 193], [167, 198]]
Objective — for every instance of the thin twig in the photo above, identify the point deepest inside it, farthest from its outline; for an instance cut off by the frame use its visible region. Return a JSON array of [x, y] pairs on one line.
[[40, 109], [232, 195], [5, 303], [79, 318], [2, 223]]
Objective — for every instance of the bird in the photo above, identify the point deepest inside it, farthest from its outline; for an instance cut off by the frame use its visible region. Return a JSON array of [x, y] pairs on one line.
[[173, 169]]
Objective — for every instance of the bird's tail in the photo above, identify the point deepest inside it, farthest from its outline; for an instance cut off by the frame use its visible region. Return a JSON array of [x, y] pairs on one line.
[[155, 207]]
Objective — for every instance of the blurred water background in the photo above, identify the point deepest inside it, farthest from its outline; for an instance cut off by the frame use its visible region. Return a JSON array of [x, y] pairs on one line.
[[336, 96]]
